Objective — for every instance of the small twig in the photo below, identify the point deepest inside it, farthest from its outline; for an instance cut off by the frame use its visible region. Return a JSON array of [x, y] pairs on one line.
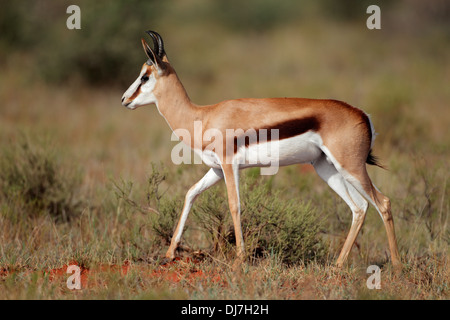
[[121, 194], [217, 260]]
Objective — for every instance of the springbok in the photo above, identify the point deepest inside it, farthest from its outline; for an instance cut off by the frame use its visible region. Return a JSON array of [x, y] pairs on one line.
[[333, 136]]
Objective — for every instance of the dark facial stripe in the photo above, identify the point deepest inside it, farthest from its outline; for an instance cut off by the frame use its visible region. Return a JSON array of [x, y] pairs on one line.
[[136, 93], [286, 130], [138, 89]]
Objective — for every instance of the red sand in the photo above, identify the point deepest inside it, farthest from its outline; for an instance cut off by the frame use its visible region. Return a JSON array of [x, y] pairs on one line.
[[86, 274], [173, 272]]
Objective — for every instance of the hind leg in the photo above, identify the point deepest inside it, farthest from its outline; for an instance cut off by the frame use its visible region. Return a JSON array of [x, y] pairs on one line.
[[360, 180], [384, 208], [352, 198]]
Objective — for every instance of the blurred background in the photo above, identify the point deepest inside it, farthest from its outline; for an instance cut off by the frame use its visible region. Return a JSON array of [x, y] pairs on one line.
[[60, 91], [230, 49], [68, 83]]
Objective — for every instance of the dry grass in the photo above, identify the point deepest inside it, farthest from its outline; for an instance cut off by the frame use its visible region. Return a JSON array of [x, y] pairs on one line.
[[398, 79]]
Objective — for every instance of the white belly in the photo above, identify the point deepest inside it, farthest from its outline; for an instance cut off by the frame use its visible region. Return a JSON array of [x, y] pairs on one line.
[[304, 148]]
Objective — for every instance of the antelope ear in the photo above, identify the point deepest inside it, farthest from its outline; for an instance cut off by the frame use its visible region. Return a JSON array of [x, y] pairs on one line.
[[148, 52], [153, 59]]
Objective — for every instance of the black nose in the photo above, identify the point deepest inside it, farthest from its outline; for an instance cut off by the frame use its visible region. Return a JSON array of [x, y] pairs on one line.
[[123, 98]]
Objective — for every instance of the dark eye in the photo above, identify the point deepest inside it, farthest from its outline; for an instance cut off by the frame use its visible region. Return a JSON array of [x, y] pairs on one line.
[[144, 78]]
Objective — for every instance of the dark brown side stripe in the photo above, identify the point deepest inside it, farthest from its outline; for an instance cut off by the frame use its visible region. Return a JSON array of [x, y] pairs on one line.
[[286, 130]]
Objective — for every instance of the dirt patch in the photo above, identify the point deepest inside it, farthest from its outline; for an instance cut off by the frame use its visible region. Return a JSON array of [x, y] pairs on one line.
[[3, 272], [87, 275], [186, 269]]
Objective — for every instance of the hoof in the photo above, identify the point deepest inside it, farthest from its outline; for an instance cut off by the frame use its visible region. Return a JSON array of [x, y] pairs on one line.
[[165, 261]]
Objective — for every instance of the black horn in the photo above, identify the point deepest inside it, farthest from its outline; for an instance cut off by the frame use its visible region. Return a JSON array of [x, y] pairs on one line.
[[155, 41], [158, 42]]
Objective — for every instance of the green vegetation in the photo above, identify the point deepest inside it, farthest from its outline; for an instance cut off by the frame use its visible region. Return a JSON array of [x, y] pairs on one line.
[[32, 182], [76, 176], [287, 230]]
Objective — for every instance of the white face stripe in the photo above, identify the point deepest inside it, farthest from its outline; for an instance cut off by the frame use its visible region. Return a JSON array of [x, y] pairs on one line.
[[146, 95], [142, 92], [132, 89]]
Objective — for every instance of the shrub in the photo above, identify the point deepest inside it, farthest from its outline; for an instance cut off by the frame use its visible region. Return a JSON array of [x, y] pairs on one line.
[[270, 224], [163, 211], [32, 178], [211, 213]]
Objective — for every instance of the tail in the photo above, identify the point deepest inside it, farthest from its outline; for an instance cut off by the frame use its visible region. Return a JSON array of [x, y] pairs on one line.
[[373, 160]]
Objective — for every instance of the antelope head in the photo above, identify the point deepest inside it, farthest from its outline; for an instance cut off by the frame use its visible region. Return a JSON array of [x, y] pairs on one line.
[[142, 91]]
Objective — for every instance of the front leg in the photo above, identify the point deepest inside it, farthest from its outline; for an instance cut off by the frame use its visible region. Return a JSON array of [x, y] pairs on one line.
[[211, 178], [231, 174]]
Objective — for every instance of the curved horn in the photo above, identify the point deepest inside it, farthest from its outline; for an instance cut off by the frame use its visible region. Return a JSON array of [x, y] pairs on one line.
[[158, 42], [155, 41]]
